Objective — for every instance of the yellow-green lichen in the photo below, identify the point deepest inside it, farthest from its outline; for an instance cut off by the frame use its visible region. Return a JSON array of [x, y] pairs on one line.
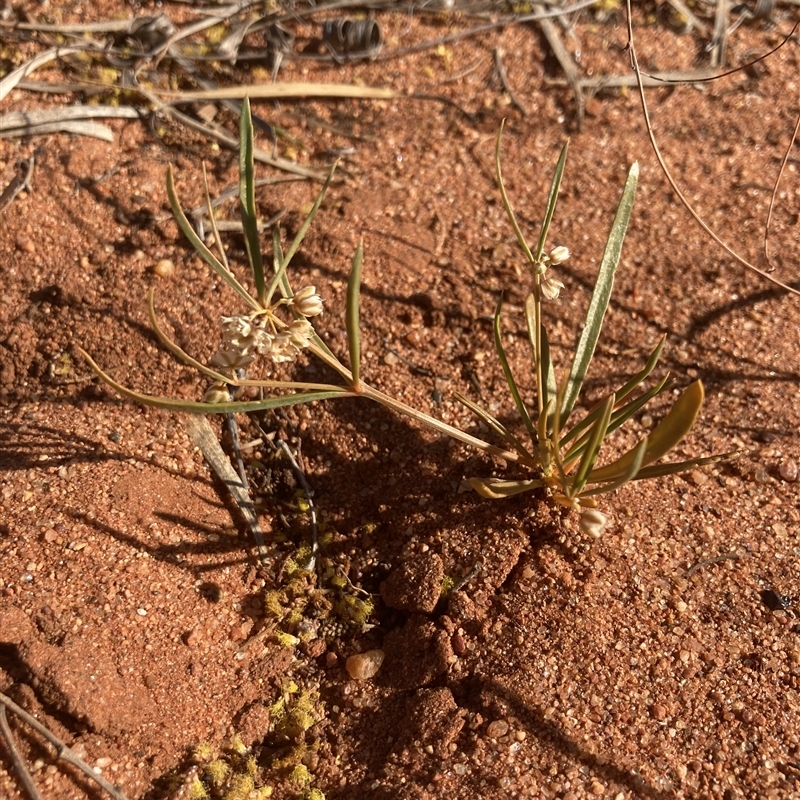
[[217, 771]]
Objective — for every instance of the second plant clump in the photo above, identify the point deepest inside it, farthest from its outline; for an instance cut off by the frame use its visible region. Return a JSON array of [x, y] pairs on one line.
[[559, 456]]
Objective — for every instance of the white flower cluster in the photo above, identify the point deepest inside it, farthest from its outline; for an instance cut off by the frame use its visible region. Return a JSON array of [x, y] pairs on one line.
[[551, 287], [264, 334]]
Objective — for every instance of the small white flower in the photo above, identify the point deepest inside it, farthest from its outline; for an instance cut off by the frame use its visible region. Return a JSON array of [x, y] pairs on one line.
[[558, 255], [593, 522], [236, 328], [551, 287], [261, 341], [283, 349], [300, 333], [307, 302], [232, 359]]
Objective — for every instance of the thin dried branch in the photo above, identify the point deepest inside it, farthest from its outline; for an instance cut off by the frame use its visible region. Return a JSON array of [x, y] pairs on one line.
[[16, 758], [673, 183], [786, 157], [79, 127], [501, 72], [564, 59], [283, 91], [649, 80], [62, 751], [691, 18], [30, 119], [22, 180], [718, 43], [21, 72], [201, 434]]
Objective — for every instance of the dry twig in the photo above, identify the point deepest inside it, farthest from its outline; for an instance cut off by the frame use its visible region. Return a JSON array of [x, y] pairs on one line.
[[201, 434], [672, 182], [564, 59], [501, 72], [62, 751]]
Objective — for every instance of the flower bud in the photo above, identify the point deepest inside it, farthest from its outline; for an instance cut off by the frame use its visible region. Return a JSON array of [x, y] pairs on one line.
[[217, 393], [307, 302], [558, 255], [551, 287], [593, 522]]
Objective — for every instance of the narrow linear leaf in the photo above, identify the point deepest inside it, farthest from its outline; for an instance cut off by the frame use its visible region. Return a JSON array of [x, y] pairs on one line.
[[196, 407], [352, 322], [630, 475], [213, 220], [319, 348], [280, 273], [175, 349], [512, 384], [660, 470], [494, 424], [621, 393], [542, 440], [547, 378], [202, 250], [222, 378], [552, 199], [601, 295], [247, 199], [493, 489], [619, 417], [667, 434], [506, 203], [387, 401], [593, 445]]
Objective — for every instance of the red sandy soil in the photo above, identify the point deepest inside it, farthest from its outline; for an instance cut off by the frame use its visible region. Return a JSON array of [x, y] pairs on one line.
[[567, 667]]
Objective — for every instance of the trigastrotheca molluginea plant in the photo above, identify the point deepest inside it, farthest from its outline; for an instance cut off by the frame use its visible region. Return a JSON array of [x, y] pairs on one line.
[[564, 456], [278, 324]]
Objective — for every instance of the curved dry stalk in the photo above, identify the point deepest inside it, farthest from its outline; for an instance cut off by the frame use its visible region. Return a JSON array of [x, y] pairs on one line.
[[786, 157], [16, 759], [62, 750], [442, 427], [689, 207]]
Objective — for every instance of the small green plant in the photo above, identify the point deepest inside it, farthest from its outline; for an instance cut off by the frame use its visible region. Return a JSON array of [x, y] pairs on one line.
[[277, 326], [563, 457], [560, 456]]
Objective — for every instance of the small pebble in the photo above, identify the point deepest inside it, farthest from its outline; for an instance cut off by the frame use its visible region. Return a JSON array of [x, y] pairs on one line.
[[26, 245], [164, 268], [788, 470], [699, 478], [331, 660], [364, 666], [497, 729], [659, 712]]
